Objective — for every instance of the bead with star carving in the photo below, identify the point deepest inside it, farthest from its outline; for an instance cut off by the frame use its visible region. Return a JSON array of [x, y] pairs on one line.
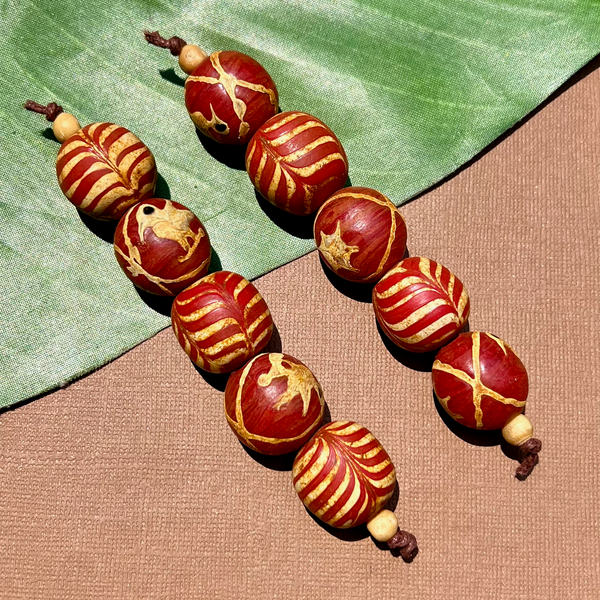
[[221, 322], [274, 404], [296, 162], [102, 168], [228, 94], [162, 246], [420, 304], [360, 234]]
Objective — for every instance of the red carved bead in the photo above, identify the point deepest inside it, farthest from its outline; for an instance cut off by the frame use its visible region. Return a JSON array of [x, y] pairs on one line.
[[103, 169], [274, 404], [420, 304], [296, 162], [480, 381], [343, 475], [229, 96], [221, 322], [360, 234], [162, 246]]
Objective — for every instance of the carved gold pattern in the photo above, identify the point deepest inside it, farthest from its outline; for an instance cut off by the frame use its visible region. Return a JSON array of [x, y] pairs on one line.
[[300, 381], [238, 424], [335, 251], [479, 389], [229, 83], [166, 223]]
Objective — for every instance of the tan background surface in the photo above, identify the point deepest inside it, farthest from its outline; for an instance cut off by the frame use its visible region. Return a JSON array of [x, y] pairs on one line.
[[129, 484]]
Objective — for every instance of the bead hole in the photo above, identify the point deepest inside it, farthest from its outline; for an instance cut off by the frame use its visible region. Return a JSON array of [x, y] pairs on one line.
[[148, 210], [220, 127]]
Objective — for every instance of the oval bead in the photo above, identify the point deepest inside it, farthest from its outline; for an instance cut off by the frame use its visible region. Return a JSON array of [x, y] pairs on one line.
[[221, 321], [420, 304], [343, 475], [296, 162], [480, 381], [162, 246], [103, 169], [274, 404], [229, 96], [360, 234]]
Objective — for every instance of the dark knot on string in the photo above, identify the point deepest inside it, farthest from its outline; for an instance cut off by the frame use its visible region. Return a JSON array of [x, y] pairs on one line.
[[51, 111], [174, 44], [406, 544], [529, 458]]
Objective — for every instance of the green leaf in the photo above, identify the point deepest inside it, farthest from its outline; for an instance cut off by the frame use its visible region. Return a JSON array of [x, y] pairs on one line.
[[413, 90]]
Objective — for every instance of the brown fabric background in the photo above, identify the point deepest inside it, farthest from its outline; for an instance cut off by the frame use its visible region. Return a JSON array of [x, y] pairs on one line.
[[129, 484]]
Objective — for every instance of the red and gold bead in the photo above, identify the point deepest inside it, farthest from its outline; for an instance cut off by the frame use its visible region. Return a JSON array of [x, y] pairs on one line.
[[162, 246], [420, 304], [296, 162], [480, 381], [360, 234], [103, 169], [229, 96], [274, 404], [221, 322], [343, 475]]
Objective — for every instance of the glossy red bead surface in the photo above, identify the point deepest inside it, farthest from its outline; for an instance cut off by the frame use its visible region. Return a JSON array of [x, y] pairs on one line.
[[480, 381], [360, 234], [343, 475], [420, 304], [296, 162], [274, 403], [229, 96], [103, 169], [162, 246], [221, 322]]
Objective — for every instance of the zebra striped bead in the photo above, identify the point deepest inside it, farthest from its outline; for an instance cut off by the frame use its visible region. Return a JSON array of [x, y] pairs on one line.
[[360, 234], [229, 96], [296, 162], [420, 304], [343, 475], [103, 169], [221, 322]]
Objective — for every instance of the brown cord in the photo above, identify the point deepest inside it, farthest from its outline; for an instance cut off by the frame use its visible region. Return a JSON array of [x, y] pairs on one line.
[[51, 111], [405, 543], [529, 458], [173, 44]]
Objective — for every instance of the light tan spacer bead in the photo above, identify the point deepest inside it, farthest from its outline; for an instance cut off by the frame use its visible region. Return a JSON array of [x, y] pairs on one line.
[[190, 57], [383, 526], [64, 126], [518, 431]]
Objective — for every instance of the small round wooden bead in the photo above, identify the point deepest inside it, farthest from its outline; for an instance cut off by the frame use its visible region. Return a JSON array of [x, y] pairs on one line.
[[274, 404], [64, 126], [383, 526], [480, 381], [343, 475], [162, 246], [103, 169], [229, 96], [296, 162], [420, 304], [518, 431], [360, 234], [190, 57], [221, 321]]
